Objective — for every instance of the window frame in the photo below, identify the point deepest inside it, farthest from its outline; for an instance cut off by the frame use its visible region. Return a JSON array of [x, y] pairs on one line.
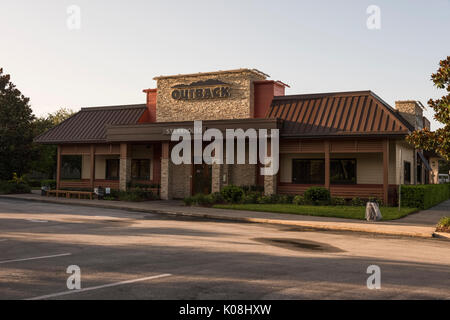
[[293, 179], [140, 177], [107, 167]]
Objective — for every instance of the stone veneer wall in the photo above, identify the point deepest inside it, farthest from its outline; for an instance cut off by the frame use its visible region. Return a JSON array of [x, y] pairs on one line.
[[411, 111], [238, 106], [243, 174], [180, 180]]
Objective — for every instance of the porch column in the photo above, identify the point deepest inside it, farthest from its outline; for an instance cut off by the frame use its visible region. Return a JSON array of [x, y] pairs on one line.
[[385, 171], [165, 191], [218, 181], [327, 163], [270, 181], [125, 166], [92, 167], [58, 168]]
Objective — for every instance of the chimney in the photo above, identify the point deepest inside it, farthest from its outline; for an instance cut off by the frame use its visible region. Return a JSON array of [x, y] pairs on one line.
[[412, 111], [150, 114], [264, 91]]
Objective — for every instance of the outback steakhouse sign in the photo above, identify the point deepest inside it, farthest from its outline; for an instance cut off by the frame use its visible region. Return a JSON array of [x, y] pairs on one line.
[[208, 89]]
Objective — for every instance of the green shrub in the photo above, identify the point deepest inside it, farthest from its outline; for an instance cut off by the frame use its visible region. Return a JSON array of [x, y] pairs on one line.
[[424, 196], [251, 197], [265, 199], [252, 188], [188, 201], [337, 201], [135, 195], [34, 183], [298, 200], [444, 222], [217, 198], [48, 183], [10, 187], [317, 195], [443, 225], [201, 199], [283, 199], [232, 194], [357, 202]]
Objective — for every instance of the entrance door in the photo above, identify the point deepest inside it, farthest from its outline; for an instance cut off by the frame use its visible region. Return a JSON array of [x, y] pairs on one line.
[[202, 179]]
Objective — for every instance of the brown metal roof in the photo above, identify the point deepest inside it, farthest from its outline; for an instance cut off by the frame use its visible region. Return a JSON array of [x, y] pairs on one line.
[[337, 114], [89, 125]]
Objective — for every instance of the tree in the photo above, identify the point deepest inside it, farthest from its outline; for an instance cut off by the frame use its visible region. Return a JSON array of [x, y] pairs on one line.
[[45, 161], [16, 135], [439, 140]]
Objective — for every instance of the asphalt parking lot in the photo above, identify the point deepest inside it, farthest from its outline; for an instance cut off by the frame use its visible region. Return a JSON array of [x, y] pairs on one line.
[[128, 255]]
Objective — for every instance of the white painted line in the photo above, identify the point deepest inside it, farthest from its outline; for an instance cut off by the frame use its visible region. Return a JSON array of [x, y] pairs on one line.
[[37, 220], [36, 258], [58, 294], [3, 240]]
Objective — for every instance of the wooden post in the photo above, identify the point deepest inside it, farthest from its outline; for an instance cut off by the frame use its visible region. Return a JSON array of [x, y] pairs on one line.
[[327, 163], [58, 168], [385, 171], [92, 158]]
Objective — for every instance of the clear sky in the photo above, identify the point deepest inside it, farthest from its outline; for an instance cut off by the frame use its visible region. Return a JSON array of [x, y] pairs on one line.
[[314, 46]]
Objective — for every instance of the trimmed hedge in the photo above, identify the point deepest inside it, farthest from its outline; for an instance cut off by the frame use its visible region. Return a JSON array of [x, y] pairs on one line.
[[424, 196]]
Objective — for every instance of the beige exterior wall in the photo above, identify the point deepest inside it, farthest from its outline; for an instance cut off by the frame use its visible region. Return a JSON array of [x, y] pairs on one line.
[[239, 105], [369, 166], [100, 166], [407, 154]]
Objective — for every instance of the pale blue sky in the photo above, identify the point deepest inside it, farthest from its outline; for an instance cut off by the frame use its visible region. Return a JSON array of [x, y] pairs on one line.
[[314, 46]]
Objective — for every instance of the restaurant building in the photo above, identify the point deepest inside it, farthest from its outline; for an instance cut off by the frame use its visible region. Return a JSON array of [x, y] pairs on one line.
[[352, 143]]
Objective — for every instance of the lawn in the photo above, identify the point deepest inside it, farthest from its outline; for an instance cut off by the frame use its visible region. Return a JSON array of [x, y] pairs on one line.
[[348, 212]]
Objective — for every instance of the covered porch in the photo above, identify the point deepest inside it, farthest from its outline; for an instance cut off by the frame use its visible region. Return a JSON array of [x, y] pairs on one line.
[[115, 166], [347, 167]]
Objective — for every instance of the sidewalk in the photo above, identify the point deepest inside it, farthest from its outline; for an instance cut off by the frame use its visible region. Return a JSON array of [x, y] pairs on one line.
[[421, 224]]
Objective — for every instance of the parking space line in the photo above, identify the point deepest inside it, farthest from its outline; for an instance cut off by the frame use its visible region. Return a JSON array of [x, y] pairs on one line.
[[36, 258], [58, 294]]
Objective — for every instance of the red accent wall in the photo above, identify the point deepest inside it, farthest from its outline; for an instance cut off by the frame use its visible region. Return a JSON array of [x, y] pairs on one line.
[[264, 91], [150, 114]]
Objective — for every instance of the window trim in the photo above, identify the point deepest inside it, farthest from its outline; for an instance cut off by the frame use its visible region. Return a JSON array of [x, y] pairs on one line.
[[149, 168], [323, 183], [107, 167]]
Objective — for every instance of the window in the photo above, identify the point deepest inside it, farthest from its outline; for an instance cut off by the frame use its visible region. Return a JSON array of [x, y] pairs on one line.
[[343, 171], [308, 171], [419, 173], [406, 172], [140, 169], [312, 171], [71, 167], [112, 169]]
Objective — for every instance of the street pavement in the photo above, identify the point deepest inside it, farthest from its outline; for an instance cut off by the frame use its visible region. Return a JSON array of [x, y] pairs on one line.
[[131, 255]]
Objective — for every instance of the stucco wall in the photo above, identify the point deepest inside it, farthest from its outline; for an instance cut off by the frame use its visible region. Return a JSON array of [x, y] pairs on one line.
[[369, 166], [407, 154]]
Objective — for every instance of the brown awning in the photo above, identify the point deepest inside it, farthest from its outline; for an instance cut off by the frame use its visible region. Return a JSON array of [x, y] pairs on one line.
[[359, 113], [161, 131], [89, 125]]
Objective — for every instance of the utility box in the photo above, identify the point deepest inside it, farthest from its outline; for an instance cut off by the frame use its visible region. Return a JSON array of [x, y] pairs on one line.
[[373, 212]]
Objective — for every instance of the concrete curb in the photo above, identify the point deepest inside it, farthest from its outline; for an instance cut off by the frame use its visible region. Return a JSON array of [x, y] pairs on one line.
[[314, 225], [442, 235]]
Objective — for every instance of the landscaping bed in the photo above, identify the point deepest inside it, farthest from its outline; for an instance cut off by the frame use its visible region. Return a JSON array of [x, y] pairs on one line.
[[316, 201], [443, 225], [347, 212]]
